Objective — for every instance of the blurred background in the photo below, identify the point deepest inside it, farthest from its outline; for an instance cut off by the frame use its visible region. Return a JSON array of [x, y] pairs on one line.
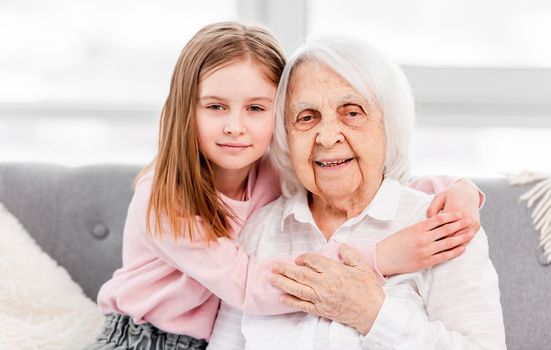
[[83, 81]]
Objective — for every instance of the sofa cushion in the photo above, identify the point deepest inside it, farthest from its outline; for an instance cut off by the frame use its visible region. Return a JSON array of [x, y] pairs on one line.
[[75, 214], [40, 306], [514, 249]]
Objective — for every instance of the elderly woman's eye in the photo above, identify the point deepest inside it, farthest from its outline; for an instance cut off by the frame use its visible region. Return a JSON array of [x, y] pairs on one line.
[[351, 111], [352, 115], [306, 119]]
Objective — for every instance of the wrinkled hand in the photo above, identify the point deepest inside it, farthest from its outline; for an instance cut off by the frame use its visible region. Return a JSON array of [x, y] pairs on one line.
[[347, 293], [425, 244], [463, 196]]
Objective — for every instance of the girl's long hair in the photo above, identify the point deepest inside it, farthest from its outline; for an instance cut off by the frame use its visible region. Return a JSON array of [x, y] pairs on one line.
[[183, 188]]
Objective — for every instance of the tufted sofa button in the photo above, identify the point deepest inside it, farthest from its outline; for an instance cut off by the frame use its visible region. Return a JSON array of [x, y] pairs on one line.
[[100, 231]]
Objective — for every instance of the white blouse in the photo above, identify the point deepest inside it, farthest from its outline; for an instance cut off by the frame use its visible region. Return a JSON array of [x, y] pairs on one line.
[[454, 305]]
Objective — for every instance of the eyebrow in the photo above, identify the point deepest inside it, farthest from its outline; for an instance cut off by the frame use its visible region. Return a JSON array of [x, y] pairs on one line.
[[345, 100], [353, 99], [261, 98], [256, 98], [301, 106]]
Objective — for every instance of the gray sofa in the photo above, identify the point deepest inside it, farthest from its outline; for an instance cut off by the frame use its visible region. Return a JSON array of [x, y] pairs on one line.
[[77, 217]]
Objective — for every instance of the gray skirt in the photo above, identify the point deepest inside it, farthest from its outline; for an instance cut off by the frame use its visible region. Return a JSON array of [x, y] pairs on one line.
[[121, 333]]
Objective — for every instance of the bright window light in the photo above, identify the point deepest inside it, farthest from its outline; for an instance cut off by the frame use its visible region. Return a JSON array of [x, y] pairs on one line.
[[468, 33], [90, 52]]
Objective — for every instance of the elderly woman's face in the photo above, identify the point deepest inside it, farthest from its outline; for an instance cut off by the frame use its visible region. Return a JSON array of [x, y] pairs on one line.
[[336, 138]]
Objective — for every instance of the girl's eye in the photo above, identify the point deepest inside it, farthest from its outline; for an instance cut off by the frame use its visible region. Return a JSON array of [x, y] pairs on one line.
[[256, 109], [216, 107]]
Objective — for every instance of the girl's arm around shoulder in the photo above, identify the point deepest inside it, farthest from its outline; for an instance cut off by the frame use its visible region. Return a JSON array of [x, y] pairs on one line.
[[438, 184]]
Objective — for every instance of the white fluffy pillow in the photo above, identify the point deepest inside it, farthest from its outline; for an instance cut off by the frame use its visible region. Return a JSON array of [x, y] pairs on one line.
[[40, 306]]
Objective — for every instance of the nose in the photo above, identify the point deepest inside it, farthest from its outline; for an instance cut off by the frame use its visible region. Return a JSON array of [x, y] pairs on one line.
[[329, 132], [234, 125]]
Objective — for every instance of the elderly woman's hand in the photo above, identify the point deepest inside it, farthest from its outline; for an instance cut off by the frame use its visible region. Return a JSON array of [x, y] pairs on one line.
[[464, 197], [348, 293]]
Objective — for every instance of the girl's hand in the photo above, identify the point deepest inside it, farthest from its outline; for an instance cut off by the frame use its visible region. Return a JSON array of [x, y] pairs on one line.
[[425, 244], [464, 197]]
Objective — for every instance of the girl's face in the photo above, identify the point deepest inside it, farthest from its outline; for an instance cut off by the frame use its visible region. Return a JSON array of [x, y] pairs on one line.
[[235, 115]]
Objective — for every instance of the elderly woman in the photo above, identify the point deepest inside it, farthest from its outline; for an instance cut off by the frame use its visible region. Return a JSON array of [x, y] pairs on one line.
[[341, 143]]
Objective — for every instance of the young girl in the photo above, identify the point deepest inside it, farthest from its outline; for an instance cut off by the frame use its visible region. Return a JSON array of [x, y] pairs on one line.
[[209, 176]]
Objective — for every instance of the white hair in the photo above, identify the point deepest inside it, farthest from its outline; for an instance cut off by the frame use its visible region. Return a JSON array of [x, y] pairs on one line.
[[371, 74]]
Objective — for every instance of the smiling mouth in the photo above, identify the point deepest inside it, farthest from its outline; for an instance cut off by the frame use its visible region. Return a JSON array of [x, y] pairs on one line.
[[232, 145], [333, 163]]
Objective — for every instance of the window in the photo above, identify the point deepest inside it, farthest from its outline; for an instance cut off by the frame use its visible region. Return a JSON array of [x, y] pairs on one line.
[[96, 52], [444, 33], [480, 72], [84, 82]]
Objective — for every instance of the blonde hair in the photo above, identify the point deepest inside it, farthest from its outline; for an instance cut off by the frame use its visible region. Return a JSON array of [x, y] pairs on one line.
[[183, 184]]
